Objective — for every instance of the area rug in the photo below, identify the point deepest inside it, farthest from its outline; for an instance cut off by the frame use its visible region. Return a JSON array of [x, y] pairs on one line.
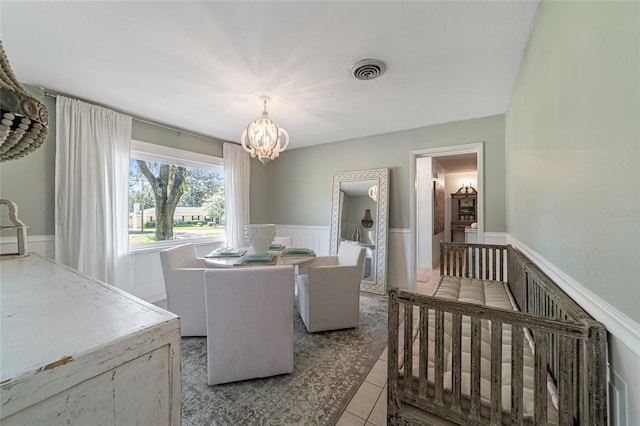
[[328, 369]]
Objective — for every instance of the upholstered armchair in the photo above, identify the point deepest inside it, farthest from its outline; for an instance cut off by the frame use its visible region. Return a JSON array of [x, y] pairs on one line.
[[249, 322], [183, 280], [329, 291]]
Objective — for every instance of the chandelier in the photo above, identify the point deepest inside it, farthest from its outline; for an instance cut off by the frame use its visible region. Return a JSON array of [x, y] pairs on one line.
[[24, 118], [264, 138]]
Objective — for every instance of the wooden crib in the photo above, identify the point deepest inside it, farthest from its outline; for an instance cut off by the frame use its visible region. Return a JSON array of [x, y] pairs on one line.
[[498, 343]]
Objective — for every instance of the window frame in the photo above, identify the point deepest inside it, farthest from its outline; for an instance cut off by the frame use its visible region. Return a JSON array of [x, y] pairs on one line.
[[164, 154]]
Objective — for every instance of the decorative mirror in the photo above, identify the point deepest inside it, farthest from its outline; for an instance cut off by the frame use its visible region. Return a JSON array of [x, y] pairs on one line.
[[359, 216]]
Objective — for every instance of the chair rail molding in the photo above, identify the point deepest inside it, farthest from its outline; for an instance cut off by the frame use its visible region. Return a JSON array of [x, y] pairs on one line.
[[617, 323], [624, 339]]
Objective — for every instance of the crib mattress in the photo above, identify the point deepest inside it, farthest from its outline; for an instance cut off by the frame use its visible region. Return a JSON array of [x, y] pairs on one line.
[[493, 294]]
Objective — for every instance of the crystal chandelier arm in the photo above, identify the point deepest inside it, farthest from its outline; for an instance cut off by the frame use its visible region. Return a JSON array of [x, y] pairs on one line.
[[250, 150], [286, 140]]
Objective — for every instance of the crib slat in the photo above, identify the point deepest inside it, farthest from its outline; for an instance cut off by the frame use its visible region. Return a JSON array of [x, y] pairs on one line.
[[480, 263], [464, 258], [392, 363], [487, 270], [516, 374], [454, 261], [408, 342], [456, 360], [540, 378], [485, 259], [496, 373], [439, 355], [475, 367], [565, 414], [502, 266], [424, 349], [473, 263], [493, 263]]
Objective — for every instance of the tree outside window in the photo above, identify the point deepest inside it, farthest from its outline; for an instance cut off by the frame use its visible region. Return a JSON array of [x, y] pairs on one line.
[[162, 194]]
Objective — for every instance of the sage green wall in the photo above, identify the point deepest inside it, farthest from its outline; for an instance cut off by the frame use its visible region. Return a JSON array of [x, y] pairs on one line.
[[299, 181], [260, 192], [573, 146], [175, 139], [30, 180]]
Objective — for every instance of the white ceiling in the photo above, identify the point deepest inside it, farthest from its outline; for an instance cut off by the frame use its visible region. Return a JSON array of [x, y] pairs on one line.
[[458, 163], [202, 66]]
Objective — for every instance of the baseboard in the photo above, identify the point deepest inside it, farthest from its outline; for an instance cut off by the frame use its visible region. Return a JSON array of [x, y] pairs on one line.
[[623, 327]]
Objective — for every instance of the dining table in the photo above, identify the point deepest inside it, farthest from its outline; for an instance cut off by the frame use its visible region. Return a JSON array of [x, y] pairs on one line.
[[295, 257]]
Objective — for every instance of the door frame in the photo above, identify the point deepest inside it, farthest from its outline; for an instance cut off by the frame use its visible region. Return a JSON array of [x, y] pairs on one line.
[[470, 148]]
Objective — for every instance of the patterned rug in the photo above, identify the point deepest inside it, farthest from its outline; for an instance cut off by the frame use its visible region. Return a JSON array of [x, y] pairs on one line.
[[328, 369]]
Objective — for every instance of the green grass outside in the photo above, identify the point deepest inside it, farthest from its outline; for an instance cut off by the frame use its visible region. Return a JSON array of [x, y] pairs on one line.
[[148, 235]]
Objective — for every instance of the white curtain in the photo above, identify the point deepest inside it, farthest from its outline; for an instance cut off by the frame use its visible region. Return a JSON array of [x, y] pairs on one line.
[[92, 190], [236, 193]]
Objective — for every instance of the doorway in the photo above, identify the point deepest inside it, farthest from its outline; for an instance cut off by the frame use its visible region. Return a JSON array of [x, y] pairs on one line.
[[437, 173]]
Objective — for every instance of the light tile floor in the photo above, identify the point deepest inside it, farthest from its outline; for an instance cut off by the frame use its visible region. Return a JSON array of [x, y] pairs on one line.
[[369, 404]]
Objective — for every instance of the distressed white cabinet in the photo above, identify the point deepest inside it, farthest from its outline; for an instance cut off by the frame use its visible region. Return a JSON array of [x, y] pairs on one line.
[[74, 350]]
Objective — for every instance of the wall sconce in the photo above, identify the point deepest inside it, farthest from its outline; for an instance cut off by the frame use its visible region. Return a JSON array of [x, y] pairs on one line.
[[373, 193], [466, 189]]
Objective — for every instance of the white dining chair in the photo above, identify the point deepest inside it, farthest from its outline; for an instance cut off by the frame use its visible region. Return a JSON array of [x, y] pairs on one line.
[[249, 322], [329, 291], [184, 284]]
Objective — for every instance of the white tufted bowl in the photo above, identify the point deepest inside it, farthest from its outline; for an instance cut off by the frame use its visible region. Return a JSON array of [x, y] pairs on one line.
[[260, 237]]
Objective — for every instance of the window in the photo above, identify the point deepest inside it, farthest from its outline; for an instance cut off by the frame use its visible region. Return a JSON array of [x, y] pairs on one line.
[[174, 195]]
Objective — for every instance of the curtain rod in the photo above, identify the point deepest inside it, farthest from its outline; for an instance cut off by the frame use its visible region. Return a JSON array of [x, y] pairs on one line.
[[179, 130]]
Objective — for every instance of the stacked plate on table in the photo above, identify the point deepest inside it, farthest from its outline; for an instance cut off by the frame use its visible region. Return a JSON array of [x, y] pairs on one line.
[[257, 259], [227, 252], [297, 251]]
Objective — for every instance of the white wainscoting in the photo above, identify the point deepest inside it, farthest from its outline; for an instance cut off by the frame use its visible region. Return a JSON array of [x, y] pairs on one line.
[[317, 238], [624, 341], [313, 237], [495, 238], [44, 245]]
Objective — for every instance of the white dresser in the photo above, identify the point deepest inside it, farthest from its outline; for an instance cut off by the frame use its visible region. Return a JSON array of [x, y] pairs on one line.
[[76, 351]]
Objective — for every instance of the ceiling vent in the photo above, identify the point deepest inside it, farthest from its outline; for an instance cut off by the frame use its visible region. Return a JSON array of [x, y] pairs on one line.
[[368, 69]]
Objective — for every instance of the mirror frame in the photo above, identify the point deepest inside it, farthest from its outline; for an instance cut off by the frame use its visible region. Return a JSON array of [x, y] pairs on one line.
[[379, 264]]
